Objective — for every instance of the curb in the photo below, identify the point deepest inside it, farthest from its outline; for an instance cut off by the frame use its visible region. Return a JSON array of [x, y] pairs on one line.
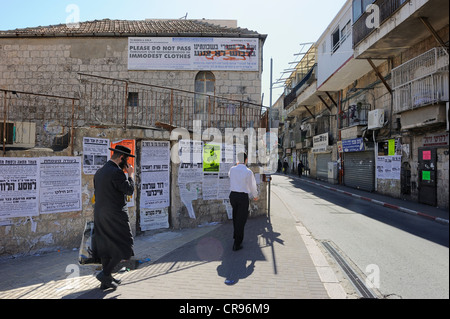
[[399, 208]]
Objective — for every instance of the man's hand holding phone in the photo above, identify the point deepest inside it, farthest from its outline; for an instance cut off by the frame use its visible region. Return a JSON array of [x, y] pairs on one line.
[[129, 170]]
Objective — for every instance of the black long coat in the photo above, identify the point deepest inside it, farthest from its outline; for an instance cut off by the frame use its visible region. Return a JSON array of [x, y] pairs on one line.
[[112, 232]]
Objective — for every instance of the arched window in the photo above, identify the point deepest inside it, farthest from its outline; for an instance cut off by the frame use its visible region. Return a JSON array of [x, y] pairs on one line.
[[205, 83]]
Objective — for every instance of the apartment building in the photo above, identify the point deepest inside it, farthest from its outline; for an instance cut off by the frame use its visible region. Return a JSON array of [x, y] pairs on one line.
[[376, 114]]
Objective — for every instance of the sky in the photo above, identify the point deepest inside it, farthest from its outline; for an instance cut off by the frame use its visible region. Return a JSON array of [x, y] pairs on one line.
[[287, 23]]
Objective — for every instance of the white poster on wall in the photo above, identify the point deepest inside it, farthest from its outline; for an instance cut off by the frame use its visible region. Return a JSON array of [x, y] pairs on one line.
[[211, 54], [19, 187], [151, 219], [155, 179], [95, 154], [60, 184], [388, 167], [190, 173]]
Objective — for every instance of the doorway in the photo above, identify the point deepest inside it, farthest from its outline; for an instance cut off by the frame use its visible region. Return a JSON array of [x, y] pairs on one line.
[[427, 171]]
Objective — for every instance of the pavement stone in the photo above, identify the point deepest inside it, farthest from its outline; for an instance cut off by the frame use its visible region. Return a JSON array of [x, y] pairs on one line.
[[280, 260]]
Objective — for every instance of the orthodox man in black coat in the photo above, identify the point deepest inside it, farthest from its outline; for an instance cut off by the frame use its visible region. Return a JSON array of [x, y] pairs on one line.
[[113, 239]]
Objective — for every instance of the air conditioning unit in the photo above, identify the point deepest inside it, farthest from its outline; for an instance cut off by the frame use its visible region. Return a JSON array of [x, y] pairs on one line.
[[311, 129], [376, 119], [307, 143], [18, 134]]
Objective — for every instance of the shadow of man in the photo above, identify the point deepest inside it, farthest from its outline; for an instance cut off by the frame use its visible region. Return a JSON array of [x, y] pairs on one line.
[[237, 265]]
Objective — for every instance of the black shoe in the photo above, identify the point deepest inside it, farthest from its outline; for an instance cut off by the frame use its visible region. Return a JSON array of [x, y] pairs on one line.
[[117, 281], [107, 281]]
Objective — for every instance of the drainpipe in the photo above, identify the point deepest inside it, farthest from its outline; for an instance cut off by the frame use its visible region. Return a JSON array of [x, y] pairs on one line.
[[376, 159]]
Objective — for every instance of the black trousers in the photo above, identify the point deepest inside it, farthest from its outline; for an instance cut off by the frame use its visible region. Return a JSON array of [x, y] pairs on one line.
[[108, 265], [240, 203]]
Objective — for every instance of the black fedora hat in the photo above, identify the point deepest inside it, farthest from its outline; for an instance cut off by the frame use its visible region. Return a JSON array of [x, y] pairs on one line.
[[122, 149]]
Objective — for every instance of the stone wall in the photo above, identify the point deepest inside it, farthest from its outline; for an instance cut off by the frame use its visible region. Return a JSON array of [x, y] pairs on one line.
[[49, 232], [50, 65]]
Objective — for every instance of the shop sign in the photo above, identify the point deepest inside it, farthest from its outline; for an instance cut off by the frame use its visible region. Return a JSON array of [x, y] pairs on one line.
[[436, 140], [320, 143], [353, 145]]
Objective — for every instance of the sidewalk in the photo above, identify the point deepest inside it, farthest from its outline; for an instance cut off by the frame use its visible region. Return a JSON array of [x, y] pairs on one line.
[[421, 210], [280, 260]]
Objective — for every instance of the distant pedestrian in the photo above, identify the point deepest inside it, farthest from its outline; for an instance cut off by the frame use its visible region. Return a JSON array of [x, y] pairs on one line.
[[242, 184], [285, 166], [113, 240], [300, 168], [280, 166]]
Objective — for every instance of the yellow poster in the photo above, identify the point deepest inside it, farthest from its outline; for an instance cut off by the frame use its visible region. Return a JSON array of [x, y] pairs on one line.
[[211, 158], [391, 148]]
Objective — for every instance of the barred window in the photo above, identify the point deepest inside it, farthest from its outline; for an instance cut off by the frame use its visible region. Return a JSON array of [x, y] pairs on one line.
[[205, 83]]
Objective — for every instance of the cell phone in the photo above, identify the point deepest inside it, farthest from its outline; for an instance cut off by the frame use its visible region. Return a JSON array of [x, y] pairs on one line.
[[123, 165]]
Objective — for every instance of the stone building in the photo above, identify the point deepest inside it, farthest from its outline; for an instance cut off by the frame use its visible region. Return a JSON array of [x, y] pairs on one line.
[[122, 80]]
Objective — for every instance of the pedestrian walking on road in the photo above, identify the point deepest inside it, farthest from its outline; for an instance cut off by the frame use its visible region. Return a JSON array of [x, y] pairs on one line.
[[285, 166], [113, 239], [242, 185], [300, 167]]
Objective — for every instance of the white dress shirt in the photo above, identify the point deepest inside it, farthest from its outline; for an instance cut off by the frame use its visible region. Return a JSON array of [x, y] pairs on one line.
[[242, 180]]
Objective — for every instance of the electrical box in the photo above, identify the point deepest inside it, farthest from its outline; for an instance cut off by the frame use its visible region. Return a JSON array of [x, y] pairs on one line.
[[376, 119], [332, 172]]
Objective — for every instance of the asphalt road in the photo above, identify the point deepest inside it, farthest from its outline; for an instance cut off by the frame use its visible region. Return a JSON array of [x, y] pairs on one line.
[[403, 255]]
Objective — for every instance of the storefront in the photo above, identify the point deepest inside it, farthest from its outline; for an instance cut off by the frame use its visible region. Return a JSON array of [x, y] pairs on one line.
[[359, 165], [322, 154]]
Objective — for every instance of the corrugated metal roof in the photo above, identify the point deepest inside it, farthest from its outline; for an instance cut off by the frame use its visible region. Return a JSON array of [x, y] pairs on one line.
[[118, 28]]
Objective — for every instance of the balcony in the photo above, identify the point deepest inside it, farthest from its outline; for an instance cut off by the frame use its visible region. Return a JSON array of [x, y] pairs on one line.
[[357, 114], [300, 87], [361, 29], [399, 26], [421, 81]]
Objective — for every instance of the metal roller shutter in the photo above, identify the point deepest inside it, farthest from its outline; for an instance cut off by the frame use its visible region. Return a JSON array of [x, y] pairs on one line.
[[360, 170], [322, 166]]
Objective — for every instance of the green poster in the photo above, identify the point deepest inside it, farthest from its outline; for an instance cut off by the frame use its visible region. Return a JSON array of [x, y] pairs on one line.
[[391, 148], [211, 158], [426, 175]]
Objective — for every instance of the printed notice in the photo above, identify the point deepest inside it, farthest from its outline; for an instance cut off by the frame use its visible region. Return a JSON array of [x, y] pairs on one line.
[[190, 173], [95, 154], [226, 54], [19, 187], [155, 179], [388, 167], [154, 219], [60, 184]]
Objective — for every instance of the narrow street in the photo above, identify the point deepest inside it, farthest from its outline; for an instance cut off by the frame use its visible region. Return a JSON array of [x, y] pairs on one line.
[[405, 256]]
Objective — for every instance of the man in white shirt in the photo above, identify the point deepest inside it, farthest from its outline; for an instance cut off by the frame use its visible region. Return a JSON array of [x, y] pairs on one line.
[[242, 185]]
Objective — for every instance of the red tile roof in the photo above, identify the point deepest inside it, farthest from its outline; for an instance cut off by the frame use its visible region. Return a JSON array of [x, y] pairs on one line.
[[125, 28]]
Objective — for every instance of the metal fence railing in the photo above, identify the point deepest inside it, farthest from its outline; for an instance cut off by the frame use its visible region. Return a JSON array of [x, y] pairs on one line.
[[30, 120], [421, 81], [108, 101]]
